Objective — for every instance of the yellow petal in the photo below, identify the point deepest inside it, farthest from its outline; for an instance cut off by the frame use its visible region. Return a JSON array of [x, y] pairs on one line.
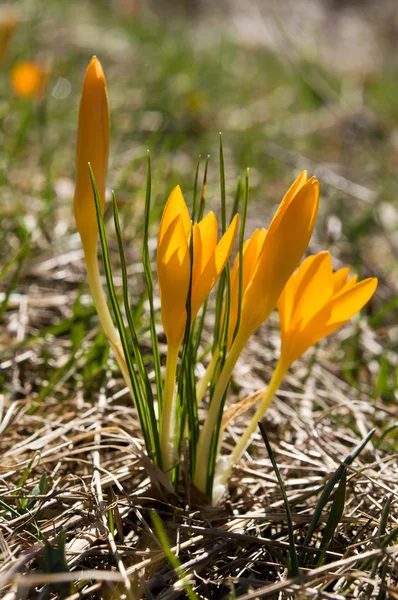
[[282, 250], [344, 306], [340, 278], [92, 147], [225, 245], [175, 207], [214, 266], [204, 245], [287, 198], [314, 288], [251, 251], [286, 305], [173, 268]]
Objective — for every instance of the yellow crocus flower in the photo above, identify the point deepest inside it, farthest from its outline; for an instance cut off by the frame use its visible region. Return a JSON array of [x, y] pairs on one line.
[[272, 258], [93, 147], [252, 249], [174, 275], [174, 265], [314, 303]]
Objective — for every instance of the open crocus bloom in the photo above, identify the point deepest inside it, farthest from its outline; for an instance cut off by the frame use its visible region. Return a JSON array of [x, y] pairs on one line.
[[174, 266], [315, 302]]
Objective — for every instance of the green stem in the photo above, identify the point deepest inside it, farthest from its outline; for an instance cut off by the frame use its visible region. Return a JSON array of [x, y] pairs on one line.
[[167, 424], [270, 392], [204, 382], [214, 413]]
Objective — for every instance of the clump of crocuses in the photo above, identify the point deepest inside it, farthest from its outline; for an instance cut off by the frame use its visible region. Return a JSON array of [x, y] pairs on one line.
[[313, 301]]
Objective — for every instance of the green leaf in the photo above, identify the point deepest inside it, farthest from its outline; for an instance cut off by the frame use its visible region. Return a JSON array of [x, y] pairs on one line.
[[294, 567]]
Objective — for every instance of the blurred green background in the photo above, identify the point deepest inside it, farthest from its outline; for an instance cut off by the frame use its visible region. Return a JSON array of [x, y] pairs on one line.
[[291, 85]]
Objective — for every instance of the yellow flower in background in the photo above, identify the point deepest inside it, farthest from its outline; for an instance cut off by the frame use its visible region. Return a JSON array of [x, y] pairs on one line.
[[93, 148], [8, 25], [29, 80], [316, 302], [174, 264]]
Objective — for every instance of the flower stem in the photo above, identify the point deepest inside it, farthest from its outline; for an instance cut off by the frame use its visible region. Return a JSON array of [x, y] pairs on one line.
[[213, 414], [97, 293], [104, 316], [204, 382], [274, 384], [167, 424]]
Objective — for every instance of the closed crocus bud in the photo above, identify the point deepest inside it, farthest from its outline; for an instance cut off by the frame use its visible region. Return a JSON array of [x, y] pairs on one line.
[[284, 245], [93, 148]]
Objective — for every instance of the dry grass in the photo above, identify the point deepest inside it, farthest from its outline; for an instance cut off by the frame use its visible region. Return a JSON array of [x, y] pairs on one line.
[[76, 491]]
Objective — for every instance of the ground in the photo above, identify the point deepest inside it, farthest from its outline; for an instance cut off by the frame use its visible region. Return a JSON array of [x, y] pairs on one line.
[[306, 85]]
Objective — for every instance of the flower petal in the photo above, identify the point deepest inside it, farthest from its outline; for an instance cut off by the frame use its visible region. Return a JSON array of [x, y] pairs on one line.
[[340, 278], [296, 186], [251, 251], [314, 289], [329, 318], [214, 266], [282, 250], [175, 206], [204, 245], [173, 268], [346, 305]]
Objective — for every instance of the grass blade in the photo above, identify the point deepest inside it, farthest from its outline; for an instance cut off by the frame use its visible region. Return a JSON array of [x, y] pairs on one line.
[[336, 512], [119, 320], [195, 189], [327, 490], [149, 283], [294, 567], [173, 560], [145, 383], [204, 189], [222, 186], [241, 241]]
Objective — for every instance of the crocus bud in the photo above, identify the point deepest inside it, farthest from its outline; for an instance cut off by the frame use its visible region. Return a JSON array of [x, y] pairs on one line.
[[93, 148]]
